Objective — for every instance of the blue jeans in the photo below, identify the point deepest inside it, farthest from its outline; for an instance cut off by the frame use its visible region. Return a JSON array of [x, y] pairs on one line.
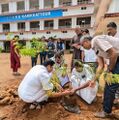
[[109, 92]]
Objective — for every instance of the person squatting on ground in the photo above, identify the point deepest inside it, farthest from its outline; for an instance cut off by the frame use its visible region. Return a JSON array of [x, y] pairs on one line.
[[60, 67], [37, 87], [81, 74], [69, 101], [14, 55], [105, 47]]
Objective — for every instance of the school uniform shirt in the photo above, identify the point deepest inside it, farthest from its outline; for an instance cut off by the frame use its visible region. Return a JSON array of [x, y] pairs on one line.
[[89, 55], [85, 75], [79, 78], [35, 84], [102, 43]]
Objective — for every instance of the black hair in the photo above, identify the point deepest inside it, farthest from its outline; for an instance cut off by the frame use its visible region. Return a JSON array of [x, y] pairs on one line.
[[59, 54], [86, 31], [49, 62], [112, 24], [88, 38], [78, 64], [16, 36]]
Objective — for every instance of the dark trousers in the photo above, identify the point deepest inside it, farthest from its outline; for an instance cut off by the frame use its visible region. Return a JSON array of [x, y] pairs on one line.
[[34, 60], [110, 91], [50, 54], [43, 57]]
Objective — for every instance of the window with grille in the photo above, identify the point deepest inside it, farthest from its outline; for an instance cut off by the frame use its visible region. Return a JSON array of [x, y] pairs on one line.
[[35, 25], [6, 27], [65, 23], [65, 2], [83, 1], [20, 5], [84, 21], [83, 8], [48, 3], [34, 4], [21, 26], [5, 7], [48, 24]]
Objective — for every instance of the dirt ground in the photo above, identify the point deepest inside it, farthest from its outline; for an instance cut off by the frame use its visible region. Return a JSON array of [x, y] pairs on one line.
[[51, 111]]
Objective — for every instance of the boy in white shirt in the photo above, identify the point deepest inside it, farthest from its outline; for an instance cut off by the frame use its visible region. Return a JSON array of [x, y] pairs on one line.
[[81, 74]]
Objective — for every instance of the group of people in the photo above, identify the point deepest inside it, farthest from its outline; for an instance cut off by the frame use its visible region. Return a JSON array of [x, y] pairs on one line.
[[51, 79], [106, 49], [51, 47]]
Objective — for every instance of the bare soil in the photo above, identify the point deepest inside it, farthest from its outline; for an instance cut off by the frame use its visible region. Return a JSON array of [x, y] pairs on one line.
[[51, 111]]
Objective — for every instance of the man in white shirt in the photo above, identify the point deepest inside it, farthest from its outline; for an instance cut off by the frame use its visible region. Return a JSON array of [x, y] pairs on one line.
[[112, 29], [36, 86], [105, 47]]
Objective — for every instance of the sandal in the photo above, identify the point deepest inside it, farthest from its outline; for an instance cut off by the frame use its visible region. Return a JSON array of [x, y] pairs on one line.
[[33, 106], [72, 108]]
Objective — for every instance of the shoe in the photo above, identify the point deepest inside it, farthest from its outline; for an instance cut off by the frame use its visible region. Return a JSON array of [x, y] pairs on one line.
[[72, 108], [102, 114]]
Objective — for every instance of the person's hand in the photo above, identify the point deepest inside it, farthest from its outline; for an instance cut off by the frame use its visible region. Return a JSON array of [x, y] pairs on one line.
[[77, 46], [60, 88], [69, 92], [74, 45], [72, 91], [92, 83]]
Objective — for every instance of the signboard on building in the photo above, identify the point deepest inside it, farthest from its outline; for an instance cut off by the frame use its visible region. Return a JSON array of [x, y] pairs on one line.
[[31, 16]]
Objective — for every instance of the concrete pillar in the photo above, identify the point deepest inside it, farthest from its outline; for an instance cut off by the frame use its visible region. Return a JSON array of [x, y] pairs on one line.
[[41, 2], [26, 5], [56, 23], [27, 26], [56, 3], [13, 27], [74, 22], [0, 9], [92, 21], [74, 2], [92, 1], [41, 24], [12, 7], [1, 28]]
